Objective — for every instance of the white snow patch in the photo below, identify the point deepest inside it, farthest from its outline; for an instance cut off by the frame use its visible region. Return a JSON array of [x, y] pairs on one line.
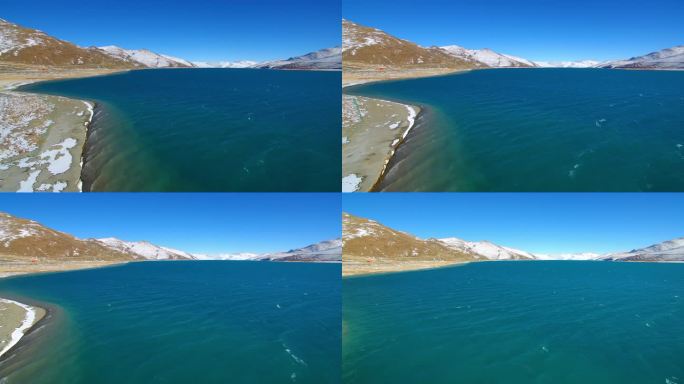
[[18, 333], [59, 160], [351, 182], [27, 185]]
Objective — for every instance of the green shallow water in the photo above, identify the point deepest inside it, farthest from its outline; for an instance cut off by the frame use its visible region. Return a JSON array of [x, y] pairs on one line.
[[210, 129], [183, 322], [540, 130], [539, 322]]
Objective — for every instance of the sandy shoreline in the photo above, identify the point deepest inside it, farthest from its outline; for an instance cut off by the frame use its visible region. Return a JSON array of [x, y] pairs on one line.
[[42, 137]]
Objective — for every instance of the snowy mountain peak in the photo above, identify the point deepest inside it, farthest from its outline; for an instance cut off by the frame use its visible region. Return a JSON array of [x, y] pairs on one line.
[[328, 250], [668, 58], [225, 64], [486, 249], [487, 56], [671, 250], [144, 57], [567, 64], [144, 249], [326, 58]]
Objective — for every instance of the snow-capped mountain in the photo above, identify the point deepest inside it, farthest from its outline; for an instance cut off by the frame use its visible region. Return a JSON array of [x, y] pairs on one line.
[[225, 64], [671, 250], [669, 58], [364, 237], [145, 250], [486, 249], [568, 64], [329, 250], [30, 46], [568, 256], [363, 46], [327, 58], [490, 251], [145, 57], [487, 57], [28, 239]]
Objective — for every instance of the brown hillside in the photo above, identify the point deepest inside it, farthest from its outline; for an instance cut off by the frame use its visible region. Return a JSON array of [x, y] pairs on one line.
[[369, 239], [21, 238], [363, 45], [29, 46]]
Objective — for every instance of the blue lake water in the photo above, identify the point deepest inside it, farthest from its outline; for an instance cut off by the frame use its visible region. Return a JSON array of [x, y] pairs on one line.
[[540, 130], [210, 129], [182, 322], [544, 322]]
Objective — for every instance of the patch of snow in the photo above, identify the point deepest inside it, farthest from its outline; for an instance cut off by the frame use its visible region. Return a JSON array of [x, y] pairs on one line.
[[351, 182], [18, 333], [59, 160], [27, 185]]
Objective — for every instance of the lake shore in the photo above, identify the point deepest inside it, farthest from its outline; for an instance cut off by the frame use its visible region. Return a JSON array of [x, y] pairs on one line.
[[42, 136], [373, 129], [17, 320], [363, 266], [15, 266]]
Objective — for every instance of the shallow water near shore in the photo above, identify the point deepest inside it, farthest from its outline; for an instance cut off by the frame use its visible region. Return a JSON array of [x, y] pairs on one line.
[[515, 322], [540, 130], [210, 129], [180, 322]]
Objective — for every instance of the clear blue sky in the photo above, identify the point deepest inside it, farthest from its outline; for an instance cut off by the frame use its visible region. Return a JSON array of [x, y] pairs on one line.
[[544, 222], [191, 29], [204, 223], [533, 29]]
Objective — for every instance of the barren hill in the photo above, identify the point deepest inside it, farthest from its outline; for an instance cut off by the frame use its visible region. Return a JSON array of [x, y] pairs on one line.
[[22, 45], [369, 246]]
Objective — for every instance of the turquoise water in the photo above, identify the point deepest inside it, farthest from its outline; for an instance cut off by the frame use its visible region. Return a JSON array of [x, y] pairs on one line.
[[210, 130], [517, 322], [184, 322], [540, 130]]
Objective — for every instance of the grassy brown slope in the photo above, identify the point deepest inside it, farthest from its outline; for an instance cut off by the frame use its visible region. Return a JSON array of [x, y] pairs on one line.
[[47, 244], [54, 52], [392, 51], [370, 247]]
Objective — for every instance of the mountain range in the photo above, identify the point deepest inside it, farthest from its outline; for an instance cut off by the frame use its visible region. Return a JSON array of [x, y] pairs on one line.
[[368, 238], [29, 239], [22, 45], [367, 46], [669, 58]]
